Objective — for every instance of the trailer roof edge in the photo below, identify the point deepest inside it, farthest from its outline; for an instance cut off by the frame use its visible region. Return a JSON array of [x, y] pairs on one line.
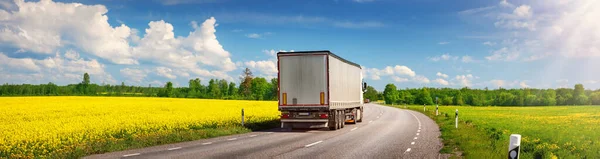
[[320, 51]]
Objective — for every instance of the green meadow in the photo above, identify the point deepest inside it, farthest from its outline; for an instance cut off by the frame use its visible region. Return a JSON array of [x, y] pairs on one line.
[[547, 132]]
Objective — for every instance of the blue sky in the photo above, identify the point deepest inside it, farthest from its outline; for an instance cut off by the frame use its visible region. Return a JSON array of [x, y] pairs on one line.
[[414, 43]]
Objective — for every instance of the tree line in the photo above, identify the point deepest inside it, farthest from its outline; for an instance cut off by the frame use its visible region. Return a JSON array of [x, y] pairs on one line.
[[485, 97], [250, 88]]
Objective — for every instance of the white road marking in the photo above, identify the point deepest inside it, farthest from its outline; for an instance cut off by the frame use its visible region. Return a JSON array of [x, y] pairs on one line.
[[207, 143], [415, 138], [412, 143], [417, 134], [174, 148], [232, 139], [253, 135], [419, 130], [408, 150], [309, 145], [377, 117], [371, 121], [353, 129], [269, 132], [133, 154]]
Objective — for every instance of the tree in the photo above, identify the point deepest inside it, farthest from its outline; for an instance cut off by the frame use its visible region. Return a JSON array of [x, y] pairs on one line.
[[274, 89], [232, 90], [370, 94], [214, 91], [595, 98], [246, 82], [223, 87], [259, 88], [390, 94], [424, 97], [505, 99], [579, 97], [447, 100], [458, 99], [86, 79]]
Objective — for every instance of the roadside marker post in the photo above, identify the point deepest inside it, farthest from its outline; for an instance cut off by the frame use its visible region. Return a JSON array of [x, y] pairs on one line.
[[514, 146], [436, 106], [423, 107], [242, 116], [456, 116]]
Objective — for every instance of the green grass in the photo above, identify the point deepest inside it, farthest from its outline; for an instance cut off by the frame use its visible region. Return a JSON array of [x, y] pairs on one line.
[[547, 132]]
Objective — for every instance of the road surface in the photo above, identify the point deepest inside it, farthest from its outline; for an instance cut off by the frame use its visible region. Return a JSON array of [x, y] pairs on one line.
[[385, 132]]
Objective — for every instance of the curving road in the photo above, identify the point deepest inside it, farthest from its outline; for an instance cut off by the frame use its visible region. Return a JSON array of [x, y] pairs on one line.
[[385, 132]]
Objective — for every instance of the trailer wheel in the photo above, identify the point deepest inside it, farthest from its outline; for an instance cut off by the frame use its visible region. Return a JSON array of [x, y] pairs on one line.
[[339, 119], [354, 116], [333, 120], [359, 115], [343, 118]]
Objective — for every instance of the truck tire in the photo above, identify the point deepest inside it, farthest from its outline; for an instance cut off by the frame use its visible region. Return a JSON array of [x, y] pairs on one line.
[[354, 116], [359, 115], [333, 121], [338, 119], [343, 118]]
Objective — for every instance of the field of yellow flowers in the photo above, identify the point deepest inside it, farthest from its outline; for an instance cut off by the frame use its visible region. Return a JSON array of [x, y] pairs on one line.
[[71, 127], [547, 132]]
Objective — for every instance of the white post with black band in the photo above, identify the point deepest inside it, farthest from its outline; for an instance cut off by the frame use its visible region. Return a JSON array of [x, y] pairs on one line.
[[514, 146]]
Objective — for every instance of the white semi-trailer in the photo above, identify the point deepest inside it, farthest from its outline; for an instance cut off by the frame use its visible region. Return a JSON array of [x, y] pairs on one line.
[[319, 89]]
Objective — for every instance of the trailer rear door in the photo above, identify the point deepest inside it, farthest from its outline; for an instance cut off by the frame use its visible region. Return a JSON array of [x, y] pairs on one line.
[[302, 80]]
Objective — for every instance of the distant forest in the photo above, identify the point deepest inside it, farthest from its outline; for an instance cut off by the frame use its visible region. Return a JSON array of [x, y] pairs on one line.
[[251, 88], [485, 97], [258, 88]]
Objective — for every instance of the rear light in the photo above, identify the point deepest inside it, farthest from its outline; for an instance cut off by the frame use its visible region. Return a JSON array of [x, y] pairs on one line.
[[323, 116], [285, 116], [322, 98], [284, 99]]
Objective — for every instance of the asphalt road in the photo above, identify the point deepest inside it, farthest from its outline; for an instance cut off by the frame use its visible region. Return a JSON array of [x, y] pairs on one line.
[[385, 132]]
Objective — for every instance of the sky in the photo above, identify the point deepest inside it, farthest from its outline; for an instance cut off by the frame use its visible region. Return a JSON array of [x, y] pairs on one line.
[[411, 43]]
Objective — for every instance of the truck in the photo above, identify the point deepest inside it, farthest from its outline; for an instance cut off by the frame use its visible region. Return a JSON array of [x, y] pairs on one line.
[[318, 89]]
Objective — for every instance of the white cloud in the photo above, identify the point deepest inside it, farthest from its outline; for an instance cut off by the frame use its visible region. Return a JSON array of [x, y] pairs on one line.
[[523, 84], [194, 53], [505, 3], [165, 72], [45, 26], [498, 83], [57, 69], [476, 10], [253, 36], [135, 75], [403, 70], [421, 79], [265, 67], [489, 43], [467, 59], [463, 80], [444, 57], [26, 64], [443, 43], [503, 54], [399, 80], [441, 75], [441, 81], [591, 81]]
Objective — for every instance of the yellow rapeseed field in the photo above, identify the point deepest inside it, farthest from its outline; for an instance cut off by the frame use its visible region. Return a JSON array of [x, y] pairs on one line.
[[66, 127]]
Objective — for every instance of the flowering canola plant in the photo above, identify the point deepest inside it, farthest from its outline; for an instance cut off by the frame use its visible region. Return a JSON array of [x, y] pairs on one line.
[[66, 127]]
